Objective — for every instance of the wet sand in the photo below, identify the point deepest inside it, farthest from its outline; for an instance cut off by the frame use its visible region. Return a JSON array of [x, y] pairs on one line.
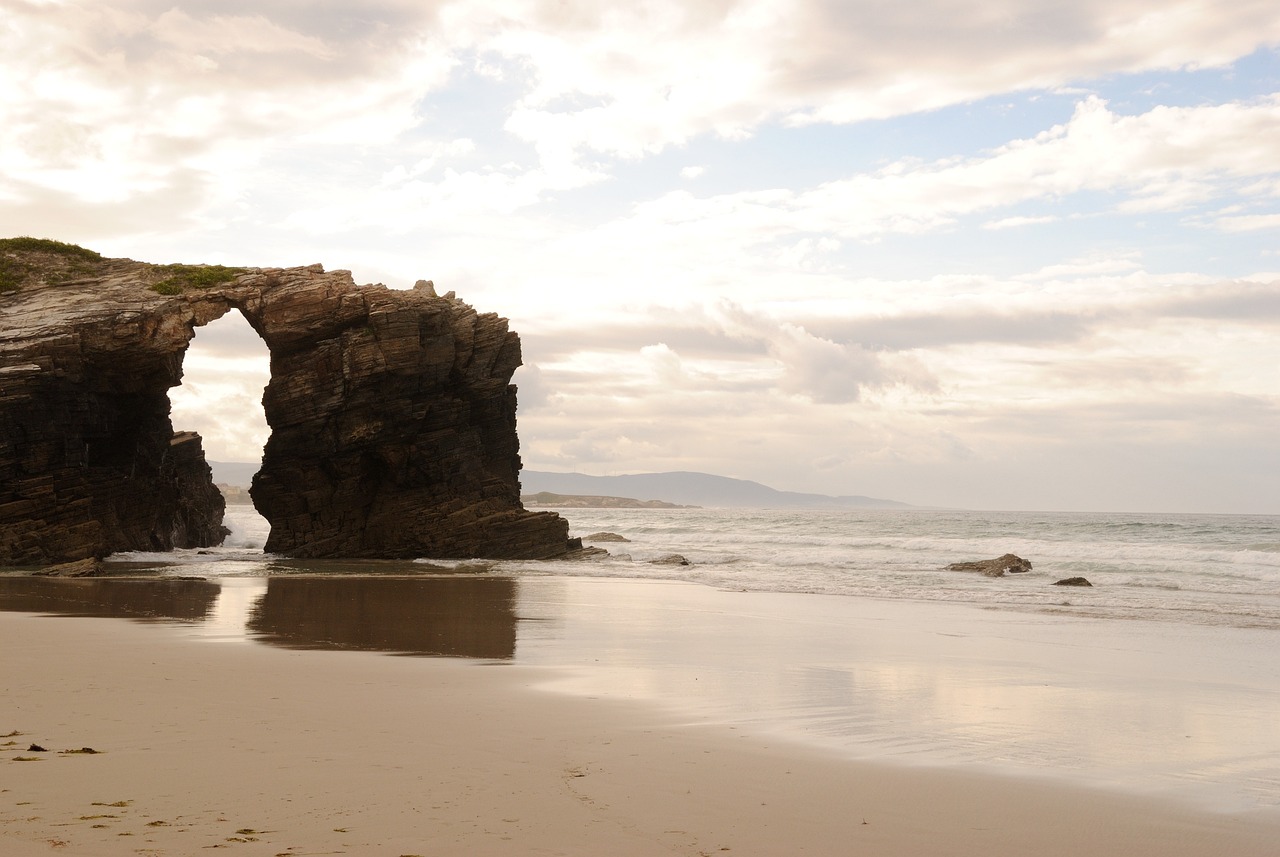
[[267, 750]]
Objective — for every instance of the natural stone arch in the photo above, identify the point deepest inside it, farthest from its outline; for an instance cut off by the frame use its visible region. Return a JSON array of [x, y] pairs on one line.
[[391, 412]]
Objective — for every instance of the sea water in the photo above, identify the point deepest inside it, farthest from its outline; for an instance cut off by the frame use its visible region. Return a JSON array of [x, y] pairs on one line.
[[1200, 569], [1196, 569]]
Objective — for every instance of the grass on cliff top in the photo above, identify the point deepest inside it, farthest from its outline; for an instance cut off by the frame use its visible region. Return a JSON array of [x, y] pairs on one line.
[[181, 277], [24, 257]]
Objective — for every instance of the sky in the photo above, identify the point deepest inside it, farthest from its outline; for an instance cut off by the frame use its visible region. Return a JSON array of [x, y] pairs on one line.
[[990, 254]]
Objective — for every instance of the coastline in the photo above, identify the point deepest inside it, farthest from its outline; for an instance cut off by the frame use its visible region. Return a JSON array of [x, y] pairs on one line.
[[270, 750]]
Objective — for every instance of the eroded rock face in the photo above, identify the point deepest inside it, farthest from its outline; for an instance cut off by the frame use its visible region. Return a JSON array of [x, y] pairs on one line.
[[392, 418]]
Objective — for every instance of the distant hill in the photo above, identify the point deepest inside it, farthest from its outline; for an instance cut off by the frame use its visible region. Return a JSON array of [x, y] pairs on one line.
[[693, 489], [588, 501], [685, 488]]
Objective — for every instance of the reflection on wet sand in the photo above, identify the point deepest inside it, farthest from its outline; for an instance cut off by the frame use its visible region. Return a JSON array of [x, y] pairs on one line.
[[465, 617], [111, 598], [469, 617]]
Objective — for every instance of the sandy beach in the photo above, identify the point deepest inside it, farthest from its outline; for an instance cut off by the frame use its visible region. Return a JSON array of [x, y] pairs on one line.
[[205, 741]]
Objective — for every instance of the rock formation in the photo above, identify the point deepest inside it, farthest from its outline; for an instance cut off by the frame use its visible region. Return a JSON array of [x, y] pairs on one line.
[[998, 567], [392, 414], [604, 537]]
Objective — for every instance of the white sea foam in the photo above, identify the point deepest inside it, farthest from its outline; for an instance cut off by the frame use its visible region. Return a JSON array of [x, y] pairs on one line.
[[1203, 569]]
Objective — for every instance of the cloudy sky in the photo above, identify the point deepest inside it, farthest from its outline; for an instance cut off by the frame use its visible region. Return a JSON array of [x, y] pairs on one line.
[[1003, 254]]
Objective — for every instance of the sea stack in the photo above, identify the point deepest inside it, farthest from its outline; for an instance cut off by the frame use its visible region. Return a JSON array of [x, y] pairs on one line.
[[392, 415]]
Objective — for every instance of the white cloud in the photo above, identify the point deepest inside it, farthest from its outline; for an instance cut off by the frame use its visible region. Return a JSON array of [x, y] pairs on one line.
[[1248, 222], [1095, 265], [130, 105], [631, 80], [1162, 159], [125, 101], [1017, 221]]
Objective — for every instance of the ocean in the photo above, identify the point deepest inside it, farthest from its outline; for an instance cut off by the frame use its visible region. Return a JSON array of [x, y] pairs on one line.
[[1196, 569]]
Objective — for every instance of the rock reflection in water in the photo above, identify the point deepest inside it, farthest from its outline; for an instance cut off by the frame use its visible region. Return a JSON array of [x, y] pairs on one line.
[[469, 617], [112, 598]]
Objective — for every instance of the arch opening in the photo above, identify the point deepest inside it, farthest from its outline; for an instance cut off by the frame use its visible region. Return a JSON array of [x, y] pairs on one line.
[[224, 371]]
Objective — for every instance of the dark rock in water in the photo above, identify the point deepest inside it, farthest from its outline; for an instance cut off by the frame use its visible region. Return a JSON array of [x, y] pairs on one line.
[[78, 568], [998, 567], [198, 506], [1072, 581], [588, 552], [392, 415], [670, 559], [605, 537], [36, 748]]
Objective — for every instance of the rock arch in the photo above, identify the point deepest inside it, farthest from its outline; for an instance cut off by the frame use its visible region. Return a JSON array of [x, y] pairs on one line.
[[392, 416]]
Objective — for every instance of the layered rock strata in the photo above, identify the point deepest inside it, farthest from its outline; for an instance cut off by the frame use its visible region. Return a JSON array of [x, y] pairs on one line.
[[392, 416]]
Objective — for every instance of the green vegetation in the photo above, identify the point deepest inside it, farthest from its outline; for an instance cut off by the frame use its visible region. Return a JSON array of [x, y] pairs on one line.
[[28, 244], [182, 277], [23, 257], [28, 259]]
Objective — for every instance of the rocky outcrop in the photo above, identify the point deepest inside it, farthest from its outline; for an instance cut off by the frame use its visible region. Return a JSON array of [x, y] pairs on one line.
[[198, 505], [998, 567], [604, 537], [1073, 581], [392, 415], [80, 568]]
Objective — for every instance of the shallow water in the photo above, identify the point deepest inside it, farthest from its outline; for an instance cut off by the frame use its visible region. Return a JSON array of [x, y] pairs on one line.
[[1220, 570]]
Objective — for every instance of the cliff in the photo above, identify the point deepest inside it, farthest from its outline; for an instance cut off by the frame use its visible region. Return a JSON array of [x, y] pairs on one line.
[[392, 416]]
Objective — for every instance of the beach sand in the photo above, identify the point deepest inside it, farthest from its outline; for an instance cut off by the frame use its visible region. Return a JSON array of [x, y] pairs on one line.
[[258, 750]]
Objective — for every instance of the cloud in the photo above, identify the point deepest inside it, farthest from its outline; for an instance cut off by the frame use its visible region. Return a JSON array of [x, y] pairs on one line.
[[224, 372], [1016, 221], [1164, 159], [765, 243], [634, 80], [134, 103], [1248, 222], [1111, 263], [823, 370], [1257, 303], [130, 104], [532, 390]]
